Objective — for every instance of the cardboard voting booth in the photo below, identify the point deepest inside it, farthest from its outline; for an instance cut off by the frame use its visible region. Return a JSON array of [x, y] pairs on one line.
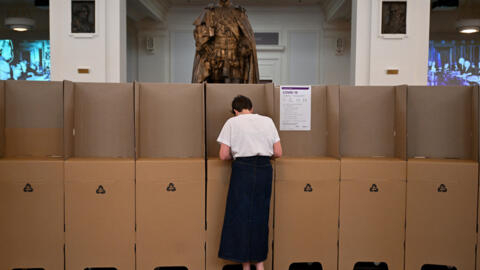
[[442, 177], [307, 182], [218, 109], [373, 176], [31, 175], [99, 175], [170, 176]]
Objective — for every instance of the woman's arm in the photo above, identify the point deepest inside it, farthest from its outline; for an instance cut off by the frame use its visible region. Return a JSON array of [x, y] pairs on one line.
[[225, 152], [277, 150]]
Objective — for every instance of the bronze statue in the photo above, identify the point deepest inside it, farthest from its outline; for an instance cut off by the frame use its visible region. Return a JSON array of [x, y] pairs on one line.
[[225, 46]]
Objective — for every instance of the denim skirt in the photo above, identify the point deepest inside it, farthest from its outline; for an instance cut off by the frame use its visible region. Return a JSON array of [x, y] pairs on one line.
[[245, 226]]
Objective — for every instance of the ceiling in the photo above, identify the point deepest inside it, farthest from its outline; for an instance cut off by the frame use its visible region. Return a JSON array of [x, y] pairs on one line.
[[247, 2], [24, 8], [335, 10], [16, 2], [443, 22]]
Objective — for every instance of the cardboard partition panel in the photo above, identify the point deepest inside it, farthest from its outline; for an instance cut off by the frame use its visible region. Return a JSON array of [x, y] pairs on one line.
[[169, 120], [372, 212], [373, 121], [373, 176], [2, 118], [306, 212], [33, 116], [442, 122], [170, 213], [218, 110], [307, 187], [442, 189], [99, 120], [99, 175], [323, 138], [31, 210], [441, 213], [170, 175], [31, 175], [100, 213]]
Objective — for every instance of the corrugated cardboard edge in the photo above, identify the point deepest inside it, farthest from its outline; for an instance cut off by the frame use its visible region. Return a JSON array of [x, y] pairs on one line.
[[270, 98], [276, 107], [401, 122], [68, 118], [476, 151], [475, 117], [204, 133], [136, 86], [2, 118], [333, 121], [205, 123]]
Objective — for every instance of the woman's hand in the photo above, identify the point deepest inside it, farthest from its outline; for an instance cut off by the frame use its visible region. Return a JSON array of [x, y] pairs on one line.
[[225, 153]]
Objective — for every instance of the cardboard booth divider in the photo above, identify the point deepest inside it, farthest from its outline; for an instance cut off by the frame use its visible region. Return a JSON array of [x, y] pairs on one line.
[[218, 110], [442, 177], [2, 118], [307, 183], [306, 211], [373, 175], [99, 175], [170, 175], [33, 122], [31, 175]]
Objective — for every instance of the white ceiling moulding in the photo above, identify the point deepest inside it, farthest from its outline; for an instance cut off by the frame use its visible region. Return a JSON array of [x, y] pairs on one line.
[[333, 7], [247, 3], [20, 24], [157, 8]]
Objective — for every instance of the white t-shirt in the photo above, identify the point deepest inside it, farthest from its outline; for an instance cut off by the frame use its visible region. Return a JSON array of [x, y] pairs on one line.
[[249, 135]]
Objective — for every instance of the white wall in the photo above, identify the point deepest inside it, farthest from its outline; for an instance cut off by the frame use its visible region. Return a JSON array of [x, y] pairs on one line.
[[306, 50], [336, 68], [373, 54], [104, 53], [154, 66]]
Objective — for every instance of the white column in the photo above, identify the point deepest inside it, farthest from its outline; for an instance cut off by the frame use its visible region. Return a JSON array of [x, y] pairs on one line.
[[102, 53], [373, 54]]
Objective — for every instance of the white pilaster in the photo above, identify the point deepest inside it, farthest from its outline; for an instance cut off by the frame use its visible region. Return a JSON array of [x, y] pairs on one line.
[[372, 53], [102, 53]]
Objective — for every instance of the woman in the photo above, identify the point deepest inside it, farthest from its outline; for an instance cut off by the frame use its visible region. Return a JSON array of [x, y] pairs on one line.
[[250, 140]]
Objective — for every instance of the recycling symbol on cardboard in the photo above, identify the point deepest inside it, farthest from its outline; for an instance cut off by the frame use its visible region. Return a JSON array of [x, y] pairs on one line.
[[101, 190], [442, 188], [308, 188], [28, 188], [171, 188], [374, 188]]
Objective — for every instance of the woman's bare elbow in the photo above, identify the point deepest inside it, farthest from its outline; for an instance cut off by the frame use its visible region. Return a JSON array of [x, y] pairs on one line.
[[224, 156], [277, 150], [224, 153]]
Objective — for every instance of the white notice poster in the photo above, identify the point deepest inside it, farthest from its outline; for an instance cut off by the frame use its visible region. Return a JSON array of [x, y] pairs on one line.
[[295, 107]]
